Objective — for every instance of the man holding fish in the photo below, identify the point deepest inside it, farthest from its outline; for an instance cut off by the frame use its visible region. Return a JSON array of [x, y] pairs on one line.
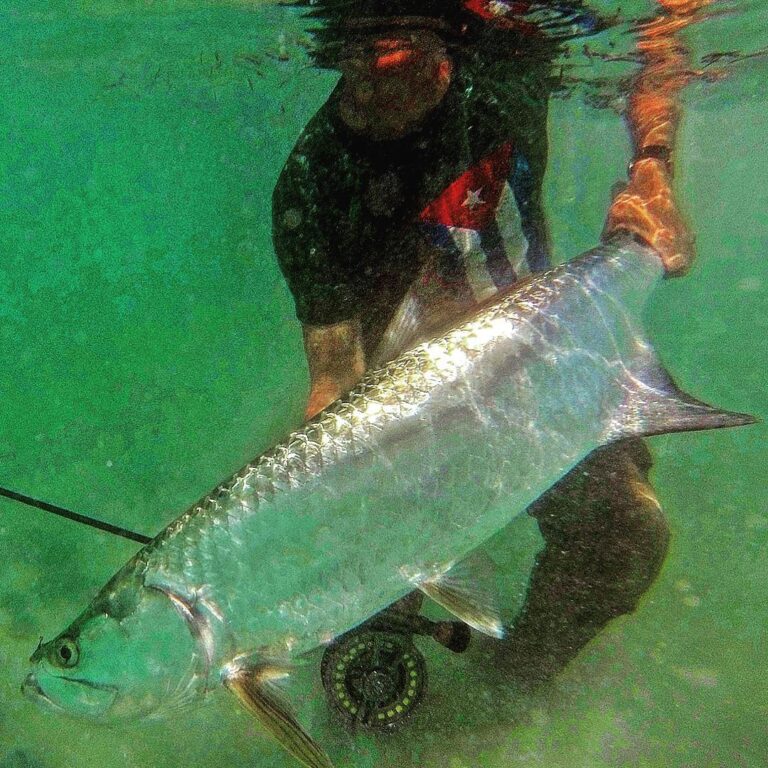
[[388, 222]]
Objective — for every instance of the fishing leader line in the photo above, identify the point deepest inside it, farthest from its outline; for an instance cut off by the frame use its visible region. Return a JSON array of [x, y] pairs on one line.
[[78, 518]]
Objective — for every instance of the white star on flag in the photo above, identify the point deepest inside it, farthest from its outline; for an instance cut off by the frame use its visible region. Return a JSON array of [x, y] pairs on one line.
[[499, 7], [473, 199]]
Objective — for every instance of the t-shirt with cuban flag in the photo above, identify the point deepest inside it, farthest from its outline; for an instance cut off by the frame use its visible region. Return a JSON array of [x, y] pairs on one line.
[[356, 221]]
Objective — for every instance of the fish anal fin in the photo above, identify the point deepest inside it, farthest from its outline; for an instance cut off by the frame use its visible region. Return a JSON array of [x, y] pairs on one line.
[[466, 590], [654, 405], [257, 691]]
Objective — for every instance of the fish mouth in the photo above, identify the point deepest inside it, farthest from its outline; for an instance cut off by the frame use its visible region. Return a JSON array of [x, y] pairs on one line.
[[94, 708], [32, 691]]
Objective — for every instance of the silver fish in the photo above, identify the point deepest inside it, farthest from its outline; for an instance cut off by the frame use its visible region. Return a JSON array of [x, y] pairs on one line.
[[388, 490]]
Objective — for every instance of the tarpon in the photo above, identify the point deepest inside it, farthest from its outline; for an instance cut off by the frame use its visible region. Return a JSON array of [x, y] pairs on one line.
[[389, 489]]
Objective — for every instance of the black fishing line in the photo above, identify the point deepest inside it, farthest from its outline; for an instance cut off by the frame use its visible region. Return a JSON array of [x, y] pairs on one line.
[[67, 513]]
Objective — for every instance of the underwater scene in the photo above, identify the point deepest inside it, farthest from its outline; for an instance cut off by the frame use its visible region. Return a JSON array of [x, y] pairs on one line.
[[518, 542]]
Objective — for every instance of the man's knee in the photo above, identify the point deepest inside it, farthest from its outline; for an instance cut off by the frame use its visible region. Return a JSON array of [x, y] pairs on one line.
[[634, 551]]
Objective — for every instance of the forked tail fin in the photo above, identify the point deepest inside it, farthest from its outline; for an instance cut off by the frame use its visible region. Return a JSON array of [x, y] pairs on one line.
[[654, 405]]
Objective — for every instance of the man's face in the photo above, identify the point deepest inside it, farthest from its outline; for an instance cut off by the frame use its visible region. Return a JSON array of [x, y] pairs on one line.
[[390, 83]]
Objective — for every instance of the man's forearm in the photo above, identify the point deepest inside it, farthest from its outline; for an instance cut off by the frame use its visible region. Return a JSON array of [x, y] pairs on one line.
[[653, 112], [646, 206]]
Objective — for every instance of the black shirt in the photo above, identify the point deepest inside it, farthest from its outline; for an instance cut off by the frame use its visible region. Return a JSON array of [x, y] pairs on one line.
[[354, 220]]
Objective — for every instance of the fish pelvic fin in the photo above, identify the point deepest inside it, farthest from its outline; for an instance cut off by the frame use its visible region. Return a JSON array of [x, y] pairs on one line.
[[467, 590], [653, 404], [256, 689]]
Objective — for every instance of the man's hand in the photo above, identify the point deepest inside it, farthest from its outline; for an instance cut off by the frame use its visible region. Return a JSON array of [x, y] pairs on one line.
[[646, 208]]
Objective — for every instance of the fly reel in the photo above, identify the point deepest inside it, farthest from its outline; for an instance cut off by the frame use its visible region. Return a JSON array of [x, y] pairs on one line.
[[374, 676], [374, 679]]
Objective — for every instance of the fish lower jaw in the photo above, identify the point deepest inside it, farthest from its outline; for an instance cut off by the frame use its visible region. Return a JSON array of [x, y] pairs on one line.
[[32, 691]]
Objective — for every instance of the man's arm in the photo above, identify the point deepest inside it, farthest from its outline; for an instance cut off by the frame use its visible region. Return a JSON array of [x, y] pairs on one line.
[[646, 207], [305, 237]]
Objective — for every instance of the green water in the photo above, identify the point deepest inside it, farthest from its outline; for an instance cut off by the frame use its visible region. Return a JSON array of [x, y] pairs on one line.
[[148, 348]]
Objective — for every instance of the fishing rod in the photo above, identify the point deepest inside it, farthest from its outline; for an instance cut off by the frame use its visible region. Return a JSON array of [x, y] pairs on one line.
[[76, 517]]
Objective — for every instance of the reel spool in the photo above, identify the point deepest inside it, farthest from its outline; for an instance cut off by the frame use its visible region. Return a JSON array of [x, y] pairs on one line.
[[374, 679]]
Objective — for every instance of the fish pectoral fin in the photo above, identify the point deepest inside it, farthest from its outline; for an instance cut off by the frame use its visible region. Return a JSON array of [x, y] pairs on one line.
[[468, 591], [256, 689]]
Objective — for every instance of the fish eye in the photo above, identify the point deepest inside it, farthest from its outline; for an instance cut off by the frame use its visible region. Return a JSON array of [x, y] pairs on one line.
[[66, 653]]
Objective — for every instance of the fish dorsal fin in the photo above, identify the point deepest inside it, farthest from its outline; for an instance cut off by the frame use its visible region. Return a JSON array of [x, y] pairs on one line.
[[256, 688], [423, 314], [402, 332], [417, 320], [467, 590], [654, 405], [428, 311]]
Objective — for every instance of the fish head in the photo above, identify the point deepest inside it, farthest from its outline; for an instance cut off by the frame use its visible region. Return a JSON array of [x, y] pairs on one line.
[[129, 655]]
